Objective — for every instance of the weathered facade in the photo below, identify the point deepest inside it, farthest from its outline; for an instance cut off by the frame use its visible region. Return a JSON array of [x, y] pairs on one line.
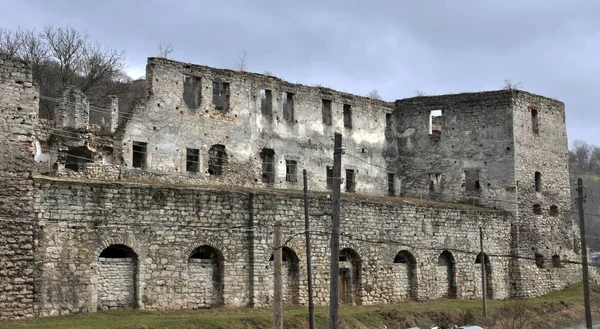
[[174, 209]]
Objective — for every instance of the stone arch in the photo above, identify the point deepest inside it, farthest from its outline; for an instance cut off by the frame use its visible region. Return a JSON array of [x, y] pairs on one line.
[[489, 286], [77, 156], [405, 270], [446, 275], [117, 273], [350, 266], [205, 277], [291, 276]]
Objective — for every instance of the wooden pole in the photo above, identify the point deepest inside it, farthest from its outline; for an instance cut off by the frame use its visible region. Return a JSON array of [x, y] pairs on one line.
[[584, 259], [483, 274], [277, 282], [311, 305], [334, 297]]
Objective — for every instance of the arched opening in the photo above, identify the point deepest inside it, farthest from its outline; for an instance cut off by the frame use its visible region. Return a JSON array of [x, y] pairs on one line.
[[489, 287], [349, 277], [205, 278], [554, 210], [556, 263], [446, 275], [538, 181], [539, 260], [405, 270], [291, 276], [77, 156], [217, 159], [117, 278]]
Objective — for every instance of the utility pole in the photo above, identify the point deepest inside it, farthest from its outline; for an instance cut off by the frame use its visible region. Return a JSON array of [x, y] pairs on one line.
[[483, 274], [277, 282], [311, 305], [584, 259], [334, 297]]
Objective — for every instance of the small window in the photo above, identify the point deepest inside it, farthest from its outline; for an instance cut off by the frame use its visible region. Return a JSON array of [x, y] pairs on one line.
[[537, 209], [350, 181], [326, 111], [191, 91], [535, 125], [343, 258], [388, 119], [472, 181], [556, 263], [217, 159], [539, 260], [538, 181], [266, 102], [192, 160], [347, 116], [268, 165], [391, 184], [140, 153], [329, 178], [554, 210], [435, 183], [221, 96], [290, 171], [435, 122], [287, 99]]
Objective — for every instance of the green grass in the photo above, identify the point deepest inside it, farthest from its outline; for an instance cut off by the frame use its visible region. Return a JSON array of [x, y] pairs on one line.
[[551, 308]]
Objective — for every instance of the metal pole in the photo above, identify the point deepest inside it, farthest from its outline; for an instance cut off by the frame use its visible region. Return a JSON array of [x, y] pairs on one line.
[[277, 282], [311, 305], [483, 274], [584, 260], [335, 235]]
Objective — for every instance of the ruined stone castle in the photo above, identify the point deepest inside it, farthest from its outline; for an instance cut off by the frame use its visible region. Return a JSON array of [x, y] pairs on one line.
[[172, 206]]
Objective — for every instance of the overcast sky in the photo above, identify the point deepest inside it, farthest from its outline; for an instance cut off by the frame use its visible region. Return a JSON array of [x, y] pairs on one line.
[[398, 47]]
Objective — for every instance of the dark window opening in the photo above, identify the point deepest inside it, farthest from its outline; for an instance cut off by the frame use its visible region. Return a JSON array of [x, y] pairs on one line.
[[329, 178], [538, 181], [266, 102], [350, 181], [287, 99], [290, 171], [539, 260], [205, 253], [403, 257], [268, 165], [77, 156], [192, 160], [435, 183], [537, 209], [140, 153], [535, 125], [192, 91], [435, 122], [554, 210], [217, 159], [343, 258], [391, 184], [221, 96], [388, 119], [118, 251], [347, 116], [326, 111], [472, 181], [556, 263]]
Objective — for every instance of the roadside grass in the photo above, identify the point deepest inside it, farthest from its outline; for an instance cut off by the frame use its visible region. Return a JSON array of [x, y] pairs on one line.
[[550, 311]]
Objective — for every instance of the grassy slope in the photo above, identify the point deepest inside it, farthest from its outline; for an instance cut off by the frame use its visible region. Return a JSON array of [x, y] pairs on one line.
[[550, 311]]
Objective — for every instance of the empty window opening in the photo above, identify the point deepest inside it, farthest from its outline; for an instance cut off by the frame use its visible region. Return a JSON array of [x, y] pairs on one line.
[[140, 154], [347, 116], [538, 181], [326, 111], [266, 102], [388, 119], [535, 124], [472, 184], [78, 156], [556, 263], [217, 159], [287, 100], [350, 180], [391, 184], [192, 160], [554, 210], [329, 178], [539, 260], [435, 183], [537, 209], [435, 122], [290, 171], [191, 91], [221, 96], [268, 165]]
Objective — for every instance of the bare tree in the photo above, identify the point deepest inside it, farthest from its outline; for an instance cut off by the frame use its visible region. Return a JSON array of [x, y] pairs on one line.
[[509, 85], [242, 61], [374, 94], [420, 93], [269, 73], [514, 314], [164, 50]]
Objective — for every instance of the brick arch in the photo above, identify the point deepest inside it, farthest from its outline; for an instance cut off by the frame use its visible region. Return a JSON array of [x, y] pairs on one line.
[[113, 241], [198, 243]]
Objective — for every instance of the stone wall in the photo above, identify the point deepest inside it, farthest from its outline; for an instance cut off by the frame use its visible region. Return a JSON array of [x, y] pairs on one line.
[[18, 106], [116, 283]]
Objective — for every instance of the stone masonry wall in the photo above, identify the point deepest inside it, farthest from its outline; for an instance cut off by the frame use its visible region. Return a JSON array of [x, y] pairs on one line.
[[116, 283], [164, 224], [18, 108]]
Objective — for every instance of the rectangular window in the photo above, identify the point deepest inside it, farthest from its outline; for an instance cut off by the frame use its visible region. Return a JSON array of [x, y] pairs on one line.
[[472, 181], [388, 119], [391, 184], [287, 99], [435, 122], [221, 96], [266, 102], [350, 181], [192, 160], [535, 125], [191, 91], [217, 158], [329, 178], [347, 116], [268, 166], [326, 111], [140, 153], [435, 183], [290, 171]]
